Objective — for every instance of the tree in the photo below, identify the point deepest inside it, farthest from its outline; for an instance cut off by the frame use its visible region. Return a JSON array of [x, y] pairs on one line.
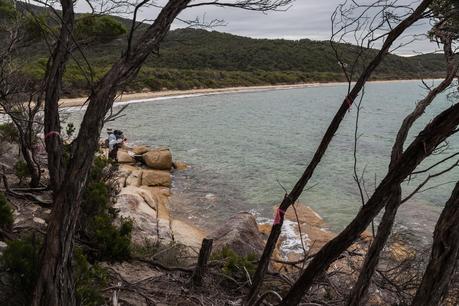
[[298, 290], [68, 176]]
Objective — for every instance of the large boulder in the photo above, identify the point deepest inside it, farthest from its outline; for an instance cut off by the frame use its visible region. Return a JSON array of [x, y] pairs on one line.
[[124, 157], [136, 204], [139, 150], [156, 178], [187, 234], [239, 233], [159, 159]]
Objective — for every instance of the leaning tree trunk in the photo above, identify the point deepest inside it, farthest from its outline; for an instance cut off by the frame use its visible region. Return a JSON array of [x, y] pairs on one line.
[[293, 196], [55, 285], [359, 292], [360, 289], [428, 139], [445, 252]]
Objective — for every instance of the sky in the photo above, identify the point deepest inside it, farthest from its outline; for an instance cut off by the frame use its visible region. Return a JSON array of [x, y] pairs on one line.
[[303, 19]]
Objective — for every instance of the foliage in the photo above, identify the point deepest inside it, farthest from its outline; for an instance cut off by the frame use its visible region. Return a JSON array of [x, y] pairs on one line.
[[235, 265], [70, 130], [89, 279], [8, 132], [103, 28], [21, 170], [110, 242], [21, 260], [6, 213], [171, 254], [7, 10]]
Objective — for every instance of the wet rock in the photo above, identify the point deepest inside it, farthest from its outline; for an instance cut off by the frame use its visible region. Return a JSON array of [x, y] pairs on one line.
[[180, 165], [159, 159], [240, 233], [156, 178]]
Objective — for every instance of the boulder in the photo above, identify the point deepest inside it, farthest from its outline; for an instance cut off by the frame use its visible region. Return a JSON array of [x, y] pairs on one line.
[[135, 204], [160, 195], [124, 157], [159, 159], [187, 234], [156, 178], [240, 233], [179, 165], [139, 150]]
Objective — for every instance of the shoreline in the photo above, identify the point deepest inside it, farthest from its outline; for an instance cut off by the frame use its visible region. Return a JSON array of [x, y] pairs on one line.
[[150, 96]]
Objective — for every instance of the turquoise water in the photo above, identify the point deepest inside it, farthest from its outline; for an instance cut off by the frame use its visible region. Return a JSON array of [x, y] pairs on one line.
[[243, 146]]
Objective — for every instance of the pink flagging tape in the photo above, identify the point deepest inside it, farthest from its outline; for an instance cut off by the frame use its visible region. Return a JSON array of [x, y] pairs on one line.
[[278, 217], [52, 133], [349, 102]]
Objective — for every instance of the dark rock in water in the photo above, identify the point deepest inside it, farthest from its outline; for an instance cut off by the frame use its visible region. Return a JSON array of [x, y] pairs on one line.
[[240, 233]]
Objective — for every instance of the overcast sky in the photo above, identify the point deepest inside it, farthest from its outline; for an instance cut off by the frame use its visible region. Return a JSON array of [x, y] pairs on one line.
[[304, 19]]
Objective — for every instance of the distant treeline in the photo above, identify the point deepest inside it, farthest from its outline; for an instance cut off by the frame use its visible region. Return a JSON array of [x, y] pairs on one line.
[[191, 58]]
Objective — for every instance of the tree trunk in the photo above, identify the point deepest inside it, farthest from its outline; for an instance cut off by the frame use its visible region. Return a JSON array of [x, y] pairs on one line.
[[293, 196], [201, 267], [55, 285], [428, 139], [359, 292], [445, 251], [32, 165]]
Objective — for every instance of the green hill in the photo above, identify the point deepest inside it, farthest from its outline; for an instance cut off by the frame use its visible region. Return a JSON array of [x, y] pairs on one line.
[[192, 58]]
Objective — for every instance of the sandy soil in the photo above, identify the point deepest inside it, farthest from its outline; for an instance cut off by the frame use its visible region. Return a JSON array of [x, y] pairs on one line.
[[146, 96]]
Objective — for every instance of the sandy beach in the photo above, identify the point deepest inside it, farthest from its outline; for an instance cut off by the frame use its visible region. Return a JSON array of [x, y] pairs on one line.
[[127, 98]]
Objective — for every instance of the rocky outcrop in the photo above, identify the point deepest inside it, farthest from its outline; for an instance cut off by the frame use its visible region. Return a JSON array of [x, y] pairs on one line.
[[240, 233], [159, 159], [144, 198]]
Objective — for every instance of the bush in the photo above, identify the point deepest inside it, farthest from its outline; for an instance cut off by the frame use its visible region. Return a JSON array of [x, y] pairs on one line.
[[102, 28], [110, 242], [8, 132], [21, 261], [6, 213], [235, 265], [21, 170], [89, 280]]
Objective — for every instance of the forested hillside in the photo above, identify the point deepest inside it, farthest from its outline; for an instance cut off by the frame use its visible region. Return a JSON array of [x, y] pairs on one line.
[[195, 58]]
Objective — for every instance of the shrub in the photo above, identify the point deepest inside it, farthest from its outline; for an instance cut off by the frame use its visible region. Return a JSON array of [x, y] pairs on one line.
[[21, 170], [6, 213], [21, 260], [102, 28], [110, 242], [8, 132], [235, 265], [89, 280]]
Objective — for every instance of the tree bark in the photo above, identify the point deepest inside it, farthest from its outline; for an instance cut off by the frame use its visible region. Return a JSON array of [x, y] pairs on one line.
[[359, 292], [293, 196], [201, 267], [445, 251], [428, 139], [360, 289], [55, 284]]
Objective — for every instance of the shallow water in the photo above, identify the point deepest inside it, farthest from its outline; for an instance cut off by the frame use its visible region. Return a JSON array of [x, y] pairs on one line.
[[244, 148]]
